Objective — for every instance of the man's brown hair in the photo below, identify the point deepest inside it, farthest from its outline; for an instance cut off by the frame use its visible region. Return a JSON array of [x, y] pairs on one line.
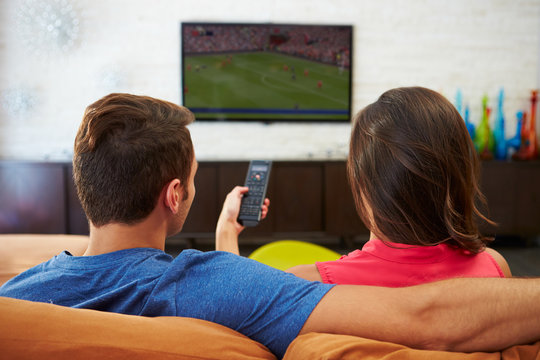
[[127, 148], [414, 171]]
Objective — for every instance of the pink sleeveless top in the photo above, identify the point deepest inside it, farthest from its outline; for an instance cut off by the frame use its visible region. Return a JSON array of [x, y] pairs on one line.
[[404, 265]]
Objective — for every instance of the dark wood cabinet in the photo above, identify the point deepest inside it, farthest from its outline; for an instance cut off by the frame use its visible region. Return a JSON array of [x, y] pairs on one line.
[[340, 212], [32, 198], [306, 197], [204, 209], [527, 200], [297, 197], [512, 190], [75, 218], [295, 191], [497, 182]]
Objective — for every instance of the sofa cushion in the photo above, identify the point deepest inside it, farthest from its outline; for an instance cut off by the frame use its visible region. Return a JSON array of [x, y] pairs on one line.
[[19, 252], [329, 346], [33, 330]]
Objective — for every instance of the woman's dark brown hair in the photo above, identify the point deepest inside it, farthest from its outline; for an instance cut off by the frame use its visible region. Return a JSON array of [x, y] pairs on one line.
[[127, 148], [414, 172]]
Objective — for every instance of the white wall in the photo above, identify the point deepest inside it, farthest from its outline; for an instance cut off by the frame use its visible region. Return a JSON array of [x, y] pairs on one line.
[[133, 46]]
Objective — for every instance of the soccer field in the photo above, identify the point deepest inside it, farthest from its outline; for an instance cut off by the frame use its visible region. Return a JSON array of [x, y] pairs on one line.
[[264, 85]]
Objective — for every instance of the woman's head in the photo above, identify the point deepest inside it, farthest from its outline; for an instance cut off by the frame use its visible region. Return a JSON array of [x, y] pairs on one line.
[[414, 171]]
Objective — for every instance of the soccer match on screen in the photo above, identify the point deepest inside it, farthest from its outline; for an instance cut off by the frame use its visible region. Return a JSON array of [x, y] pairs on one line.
[[267, 72]]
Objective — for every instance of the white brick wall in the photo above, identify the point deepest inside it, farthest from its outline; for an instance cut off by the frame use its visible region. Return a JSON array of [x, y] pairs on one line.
[[133, 46]]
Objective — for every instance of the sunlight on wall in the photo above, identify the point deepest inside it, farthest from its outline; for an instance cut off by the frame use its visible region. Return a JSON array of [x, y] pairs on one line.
[[133, 46]]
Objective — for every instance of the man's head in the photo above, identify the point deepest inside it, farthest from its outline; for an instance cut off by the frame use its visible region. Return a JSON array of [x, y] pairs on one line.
[[127, 149]]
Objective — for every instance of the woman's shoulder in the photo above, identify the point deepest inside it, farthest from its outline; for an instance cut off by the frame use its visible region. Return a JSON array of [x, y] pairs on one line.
[[500, 260]]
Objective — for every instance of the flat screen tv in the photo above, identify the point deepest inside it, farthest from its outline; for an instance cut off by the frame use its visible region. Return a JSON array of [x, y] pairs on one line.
[[266, 72]]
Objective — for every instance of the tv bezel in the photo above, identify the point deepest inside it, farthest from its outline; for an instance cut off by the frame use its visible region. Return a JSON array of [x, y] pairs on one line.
[[255, 120]]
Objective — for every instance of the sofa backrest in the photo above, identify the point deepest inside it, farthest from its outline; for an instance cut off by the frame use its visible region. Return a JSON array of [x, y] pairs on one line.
[[19, 252], [32, 330]]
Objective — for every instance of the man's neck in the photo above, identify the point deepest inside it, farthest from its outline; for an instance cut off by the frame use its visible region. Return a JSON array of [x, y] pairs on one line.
[[116, 236]]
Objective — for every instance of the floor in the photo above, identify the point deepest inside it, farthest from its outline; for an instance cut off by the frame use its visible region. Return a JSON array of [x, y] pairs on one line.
[[522, 256]]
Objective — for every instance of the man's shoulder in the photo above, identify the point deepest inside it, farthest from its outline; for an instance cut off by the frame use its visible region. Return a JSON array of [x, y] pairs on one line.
[[195, 259]]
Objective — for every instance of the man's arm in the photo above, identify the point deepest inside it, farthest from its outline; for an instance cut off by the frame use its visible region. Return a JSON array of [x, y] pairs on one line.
[[458, 315], [228, 228]]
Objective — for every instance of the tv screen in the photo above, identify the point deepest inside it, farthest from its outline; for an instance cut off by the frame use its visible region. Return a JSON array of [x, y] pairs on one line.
[[266, 72]]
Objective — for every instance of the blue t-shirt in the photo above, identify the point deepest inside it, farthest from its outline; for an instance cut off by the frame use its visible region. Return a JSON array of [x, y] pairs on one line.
[[265, 304]]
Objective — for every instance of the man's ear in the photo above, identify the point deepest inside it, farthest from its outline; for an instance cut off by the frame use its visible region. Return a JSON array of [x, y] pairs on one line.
[[173, 195]]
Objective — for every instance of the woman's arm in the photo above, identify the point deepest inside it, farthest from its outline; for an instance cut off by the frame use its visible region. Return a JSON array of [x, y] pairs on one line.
[[458, 315], [501, 261], [308, 272]]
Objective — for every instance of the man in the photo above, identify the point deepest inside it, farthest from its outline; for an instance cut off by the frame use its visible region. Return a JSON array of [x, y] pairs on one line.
[[134, 167]]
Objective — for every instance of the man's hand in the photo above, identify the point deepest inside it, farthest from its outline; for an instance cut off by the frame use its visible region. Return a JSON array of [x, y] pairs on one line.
[[231, 208], [228, 228]]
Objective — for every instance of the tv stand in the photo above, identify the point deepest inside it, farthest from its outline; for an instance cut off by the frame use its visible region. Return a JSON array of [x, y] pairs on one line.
[[308, 199]]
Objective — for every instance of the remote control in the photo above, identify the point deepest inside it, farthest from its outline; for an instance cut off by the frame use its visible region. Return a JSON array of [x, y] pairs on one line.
[[257, 182]]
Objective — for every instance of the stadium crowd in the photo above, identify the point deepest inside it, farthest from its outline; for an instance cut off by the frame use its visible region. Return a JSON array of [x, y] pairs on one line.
[[327, 44]]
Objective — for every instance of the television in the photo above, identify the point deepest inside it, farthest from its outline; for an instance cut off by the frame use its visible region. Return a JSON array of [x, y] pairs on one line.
[[266, 72]]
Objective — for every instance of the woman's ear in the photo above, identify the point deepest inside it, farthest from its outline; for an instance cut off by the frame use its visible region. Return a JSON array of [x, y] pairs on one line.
[[172, 199]]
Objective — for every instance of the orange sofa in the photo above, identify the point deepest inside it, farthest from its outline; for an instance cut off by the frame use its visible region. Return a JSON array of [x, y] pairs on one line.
[[44, 331]]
